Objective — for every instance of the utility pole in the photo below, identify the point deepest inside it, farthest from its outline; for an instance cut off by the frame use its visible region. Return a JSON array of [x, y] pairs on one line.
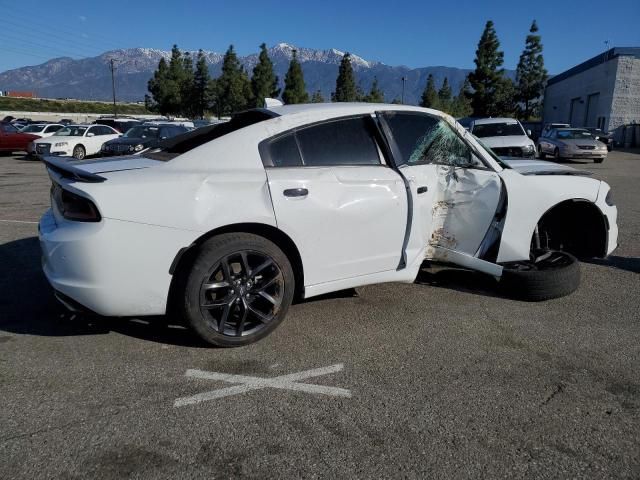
[[404, 79], [113, 87]]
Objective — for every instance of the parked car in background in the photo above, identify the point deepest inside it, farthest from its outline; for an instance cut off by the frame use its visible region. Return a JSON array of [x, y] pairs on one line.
[[505, 136], [43, 130], [77, 141], [141, 137], [184, 123], [603, 137], [571, 143], [66, 121], [226, 225], [121, 124], [535, 128], [12, 140]]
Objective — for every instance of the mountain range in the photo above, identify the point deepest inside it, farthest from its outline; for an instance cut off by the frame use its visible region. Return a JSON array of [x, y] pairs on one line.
[[90, 78]]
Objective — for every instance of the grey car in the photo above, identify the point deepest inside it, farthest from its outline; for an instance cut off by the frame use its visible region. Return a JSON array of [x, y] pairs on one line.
[[571, 143]]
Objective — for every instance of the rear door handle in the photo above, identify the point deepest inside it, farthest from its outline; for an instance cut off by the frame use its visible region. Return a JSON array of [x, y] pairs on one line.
[[296, 192], [422, 190]]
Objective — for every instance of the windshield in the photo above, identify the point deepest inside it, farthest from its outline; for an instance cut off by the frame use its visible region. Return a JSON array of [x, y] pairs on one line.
[[573, 134], [497, 130], [142, 132], [71, 132], [33, 128]]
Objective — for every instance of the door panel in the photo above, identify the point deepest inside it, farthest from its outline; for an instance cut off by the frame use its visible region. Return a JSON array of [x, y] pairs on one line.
[[351, 222]]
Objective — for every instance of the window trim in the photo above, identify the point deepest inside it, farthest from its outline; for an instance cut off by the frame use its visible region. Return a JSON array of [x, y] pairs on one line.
[[267, 161]]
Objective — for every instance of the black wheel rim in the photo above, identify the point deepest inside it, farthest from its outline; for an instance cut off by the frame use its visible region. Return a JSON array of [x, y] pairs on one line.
[[549, 260], [242, 293]]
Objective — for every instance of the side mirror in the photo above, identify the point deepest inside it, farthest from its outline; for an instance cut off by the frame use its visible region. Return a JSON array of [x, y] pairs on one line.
[[529, 133], [91, 134]]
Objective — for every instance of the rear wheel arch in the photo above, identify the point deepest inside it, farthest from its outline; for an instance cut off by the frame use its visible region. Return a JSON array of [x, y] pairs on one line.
[[185, 257], [576, 226]]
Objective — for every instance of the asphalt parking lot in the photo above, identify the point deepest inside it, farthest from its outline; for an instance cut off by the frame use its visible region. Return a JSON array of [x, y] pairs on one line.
[[443, 378]]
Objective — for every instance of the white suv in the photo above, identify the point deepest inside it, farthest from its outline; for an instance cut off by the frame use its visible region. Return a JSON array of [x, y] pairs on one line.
[[225, 225], [505, 136]]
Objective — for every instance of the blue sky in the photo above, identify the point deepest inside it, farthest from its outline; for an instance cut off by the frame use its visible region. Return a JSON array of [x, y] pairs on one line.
[[413, 32]]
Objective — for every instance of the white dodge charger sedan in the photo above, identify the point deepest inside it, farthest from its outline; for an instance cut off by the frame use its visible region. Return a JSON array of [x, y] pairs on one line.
[[226, 225], [77, 141]]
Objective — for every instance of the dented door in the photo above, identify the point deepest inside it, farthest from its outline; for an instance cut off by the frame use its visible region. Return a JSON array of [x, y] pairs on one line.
[[454, 193]]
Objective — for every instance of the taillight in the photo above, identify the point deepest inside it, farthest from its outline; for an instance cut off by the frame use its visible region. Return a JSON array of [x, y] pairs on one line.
[[74, 207]]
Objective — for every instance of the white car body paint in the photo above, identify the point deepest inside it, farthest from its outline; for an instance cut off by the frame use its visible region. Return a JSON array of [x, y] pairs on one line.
[[349, 229], [91, 144]]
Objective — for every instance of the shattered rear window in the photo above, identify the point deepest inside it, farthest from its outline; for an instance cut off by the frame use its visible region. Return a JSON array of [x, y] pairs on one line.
[[180, 144]]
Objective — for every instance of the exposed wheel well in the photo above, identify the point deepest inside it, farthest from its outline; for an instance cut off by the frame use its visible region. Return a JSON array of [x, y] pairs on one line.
[[574, 226], [185, 257]]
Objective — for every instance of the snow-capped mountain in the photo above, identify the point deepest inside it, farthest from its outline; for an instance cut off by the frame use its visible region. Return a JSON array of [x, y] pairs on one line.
[[90, 78]]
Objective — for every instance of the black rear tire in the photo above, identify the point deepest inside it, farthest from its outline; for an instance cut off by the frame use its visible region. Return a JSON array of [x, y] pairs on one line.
[[553, 274], [226, 325]]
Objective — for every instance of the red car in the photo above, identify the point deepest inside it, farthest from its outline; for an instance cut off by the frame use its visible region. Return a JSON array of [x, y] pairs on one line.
[[11, 140]]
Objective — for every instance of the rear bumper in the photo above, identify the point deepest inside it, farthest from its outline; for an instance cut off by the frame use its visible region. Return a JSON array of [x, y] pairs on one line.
[[112, 268]]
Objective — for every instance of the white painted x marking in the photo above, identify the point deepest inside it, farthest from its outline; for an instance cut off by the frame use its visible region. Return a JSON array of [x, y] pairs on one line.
[[283, 382]]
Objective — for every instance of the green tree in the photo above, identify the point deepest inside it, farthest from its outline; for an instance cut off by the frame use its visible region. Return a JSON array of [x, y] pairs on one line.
[[317, 97], [264, 82], [295, 90], [176, 78], [487, 79], [429, 95], [187, 87], [444, 96], [232, 87], [158, 88], [375, 94], [461, 104], [530, 74], [346, 90], [201, 86]]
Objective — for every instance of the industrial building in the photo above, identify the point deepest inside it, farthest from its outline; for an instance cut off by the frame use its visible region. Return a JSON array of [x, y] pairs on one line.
[[603, 92]]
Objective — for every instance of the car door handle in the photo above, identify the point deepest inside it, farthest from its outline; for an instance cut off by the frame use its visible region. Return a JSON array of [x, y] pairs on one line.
[[296, 192], [422, 190]]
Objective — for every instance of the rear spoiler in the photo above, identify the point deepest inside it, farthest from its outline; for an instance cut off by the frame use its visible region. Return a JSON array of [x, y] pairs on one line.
[[66, 170]]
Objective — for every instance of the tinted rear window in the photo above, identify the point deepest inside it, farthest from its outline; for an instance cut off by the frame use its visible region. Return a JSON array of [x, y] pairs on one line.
[[342, 142], [284, 152]]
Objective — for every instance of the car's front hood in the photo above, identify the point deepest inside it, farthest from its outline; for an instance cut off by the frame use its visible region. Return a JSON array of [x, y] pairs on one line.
[[506, 141], [540, 167], [58, 139]]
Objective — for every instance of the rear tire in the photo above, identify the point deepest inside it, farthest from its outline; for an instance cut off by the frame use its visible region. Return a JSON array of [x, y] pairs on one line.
[[553, 274], [79, 152], [238, 290]]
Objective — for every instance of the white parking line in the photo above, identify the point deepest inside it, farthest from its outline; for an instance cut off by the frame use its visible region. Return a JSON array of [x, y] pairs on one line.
[[283, 382], [19, 221]]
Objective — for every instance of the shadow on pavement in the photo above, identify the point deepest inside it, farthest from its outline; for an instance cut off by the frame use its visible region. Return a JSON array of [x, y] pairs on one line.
[[27, 306], [630, 264], [460, 280]]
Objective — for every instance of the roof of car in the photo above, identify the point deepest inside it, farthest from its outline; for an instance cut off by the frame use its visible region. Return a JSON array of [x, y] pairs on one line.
[[483, 121], [340, 108]]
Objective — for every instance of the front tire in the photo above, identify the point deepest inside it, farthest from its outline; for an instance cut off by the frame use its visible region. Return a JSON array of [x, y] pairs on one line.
[[556, 154], [541, 153], [79, 152], [551, 274], [238, 290]]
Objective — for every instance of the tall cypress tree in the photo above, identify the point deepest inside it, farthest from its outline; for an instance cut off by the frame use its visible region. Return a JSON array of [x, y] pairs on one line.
[[295, 90], [375, 94], [346, 90], [444, 96], [264, 82], [487, 79], [187, 105], [429, 95], [233, 88], [201, 92], [531, 74], [175, 82], [157, 86]]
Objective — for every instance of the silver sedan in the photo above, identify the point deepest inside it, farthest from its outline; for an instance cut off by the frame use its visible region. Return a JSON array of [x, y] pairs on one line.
[[571, 143]]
